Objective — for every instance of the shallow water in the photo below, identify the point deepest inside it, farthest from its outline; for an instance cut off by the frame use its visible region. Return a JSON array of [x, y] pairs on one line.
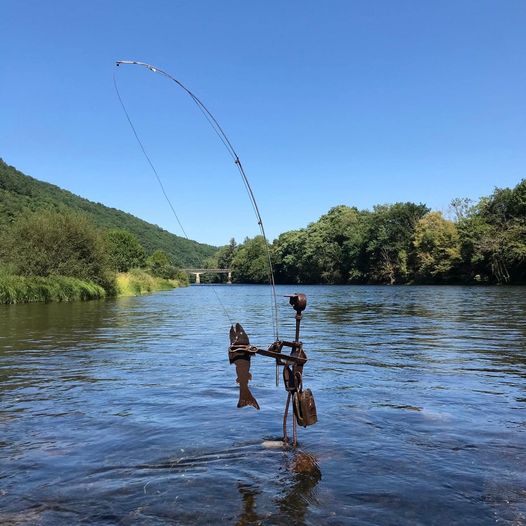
[[124, 412]]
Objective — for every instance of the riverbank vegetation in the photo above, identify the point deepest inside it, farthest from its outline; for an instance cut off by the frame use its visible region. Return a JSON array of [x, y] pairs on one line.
[[62, 256], [483, 242], [138, 281], [30, 289]]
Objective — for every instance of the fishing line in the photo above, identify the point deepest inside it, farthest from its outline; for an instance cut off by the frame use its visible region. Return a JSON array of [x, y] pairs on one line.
[[147, 156], [232, 152], [154, 170]]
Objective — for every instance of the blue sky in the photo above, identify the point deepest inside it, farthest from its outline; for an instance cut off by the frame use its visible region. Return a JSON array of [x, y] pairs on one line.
[[327, 103]]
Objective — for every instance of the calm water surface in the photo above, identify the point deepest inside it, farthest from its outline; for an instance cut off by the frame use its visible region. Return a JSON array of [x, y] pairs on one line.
[[124, 412]]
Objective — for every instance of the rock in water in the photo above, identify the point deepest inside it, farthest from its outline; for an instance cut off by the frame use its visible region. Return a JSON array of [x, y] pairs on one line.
[[306, 464], [274, 444]]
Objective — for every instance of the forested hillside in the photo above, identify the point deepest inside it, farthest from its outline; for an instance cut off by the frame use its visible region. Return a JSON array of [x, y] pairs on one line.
[[21, 195]]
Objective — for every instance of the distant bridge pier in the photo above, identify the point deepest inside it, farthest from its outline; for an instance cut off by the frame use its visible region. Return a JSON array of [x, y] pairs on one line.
[[198, 271]]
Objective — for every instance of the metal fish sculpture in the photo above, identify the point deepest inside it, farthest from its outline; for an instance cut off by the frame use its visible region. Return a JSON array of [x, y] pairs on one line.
[[239, 354]]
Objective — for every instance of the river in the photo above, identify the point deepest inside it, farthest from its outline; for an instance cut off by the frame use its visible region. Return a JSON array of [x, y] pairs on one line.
[[124, 412]]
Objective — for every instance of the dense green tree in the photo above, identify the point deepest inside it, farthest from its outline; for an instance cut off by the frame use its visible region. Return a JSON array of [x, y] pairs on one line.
[[48, 243], [250, 262], [389, 245], [289, 256], [494, 236], [221, 259], [124, 250], [330, 243], [225, 255], [327, 251], [437, 248], [160, 265]]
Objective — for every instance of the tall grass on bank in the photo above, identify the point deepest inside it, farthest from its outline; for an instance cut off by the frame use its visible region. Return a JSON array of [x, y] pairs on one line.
[[31, 289], [137, 282]]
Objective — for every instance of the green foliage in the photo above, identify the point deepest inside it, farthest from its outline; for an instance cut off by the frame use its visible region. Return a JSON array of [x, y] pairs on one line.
[[138, 281], [24, 289], [493, 236], [288, 251], [124, 250], [322, 259], [327, 251], [250, 262], [160, 265], [437, 248], [49, 243], [20, 195], [158, 260], [402, 243], [351, 246], [225, 255], [389, 245]]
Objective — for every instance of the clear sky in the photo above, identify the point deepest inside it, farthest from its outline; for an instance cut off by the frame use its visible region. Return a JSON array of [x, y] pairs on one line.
[[337, 102]]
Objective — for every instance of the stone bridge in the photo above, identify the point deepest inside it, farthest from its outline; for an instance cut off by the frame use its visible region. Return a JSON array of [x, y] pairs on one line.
[[198, 271]]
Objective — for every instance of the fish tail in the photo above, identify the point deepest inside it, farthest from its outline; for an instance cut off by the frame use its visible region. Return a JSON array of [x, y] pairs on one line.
[[247, 398]]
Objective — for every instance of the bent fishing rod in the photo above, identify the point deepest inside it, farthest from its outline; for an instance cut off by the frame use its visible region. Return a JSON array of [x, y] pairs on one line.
[[232, 152]]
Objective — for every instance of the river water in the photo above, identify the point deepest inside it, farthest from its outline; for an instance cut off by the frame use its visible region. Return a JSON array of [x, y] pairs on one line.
[[124, 412]]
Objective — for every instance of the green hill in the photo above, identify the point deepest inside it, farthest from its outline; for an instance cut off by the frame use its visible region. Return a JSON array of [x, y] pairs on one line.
[[21, 194]]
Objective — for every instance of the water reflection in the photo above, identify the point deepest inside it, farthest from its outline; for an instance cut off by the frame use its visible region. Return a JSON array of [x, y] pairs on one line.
[[248, 498], [301, 494], [302, 474]]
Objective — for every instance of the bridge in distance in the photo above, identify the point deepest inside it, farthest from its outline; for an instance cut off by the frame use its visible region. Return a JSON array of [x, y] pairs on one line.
[[198, 271]]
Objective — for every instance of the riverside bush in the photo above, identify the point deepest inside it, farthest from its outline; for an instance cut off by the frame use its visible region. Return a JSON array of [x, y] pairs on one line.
[[49, 243]]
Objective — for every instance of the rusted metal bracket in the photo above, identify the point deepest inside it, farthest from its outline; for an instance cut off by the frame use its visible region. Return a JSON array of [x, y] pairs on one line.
[[283, 359]]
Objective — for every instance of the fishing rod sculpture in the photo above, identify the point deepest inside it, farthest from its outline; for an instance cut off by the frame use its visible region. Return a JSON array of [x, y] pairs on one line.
[[240, 353]]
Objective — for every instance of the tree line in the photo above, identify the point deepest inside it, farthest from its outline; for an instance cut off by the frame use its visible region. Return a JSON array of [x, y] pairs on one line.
[[484, 242]]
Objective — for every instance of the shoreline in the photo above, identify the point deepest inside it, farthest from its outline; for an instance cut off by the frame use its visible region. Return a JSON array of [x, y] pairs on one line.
[[16, 289], [137, 282]]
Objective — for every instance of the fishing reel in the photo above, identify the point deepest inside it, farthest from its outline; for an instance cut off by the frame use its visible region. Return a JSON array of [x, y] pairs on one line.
[[298, 302], [241, 351]]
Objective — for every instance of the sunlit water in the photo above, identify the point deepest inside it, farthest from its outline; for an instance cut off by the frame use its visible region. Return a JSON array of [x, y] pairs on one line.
[[124, 412]]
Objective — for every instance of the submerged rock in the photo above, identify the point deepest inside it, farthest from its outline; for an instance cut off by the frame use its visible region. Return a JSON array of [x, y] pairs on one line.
[[274, 444], [305, 464]]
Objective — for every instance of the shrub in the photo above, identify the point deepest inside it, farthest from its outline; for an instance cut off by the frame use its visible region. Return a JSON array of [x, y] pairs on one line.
[[161, 266], [124, 250], [49, 243], [138, 281]]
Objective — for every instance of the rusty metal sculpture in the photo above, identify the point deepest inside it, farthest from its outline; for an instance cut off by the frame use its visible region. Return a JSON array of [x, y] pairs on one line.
[[240, 353]]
